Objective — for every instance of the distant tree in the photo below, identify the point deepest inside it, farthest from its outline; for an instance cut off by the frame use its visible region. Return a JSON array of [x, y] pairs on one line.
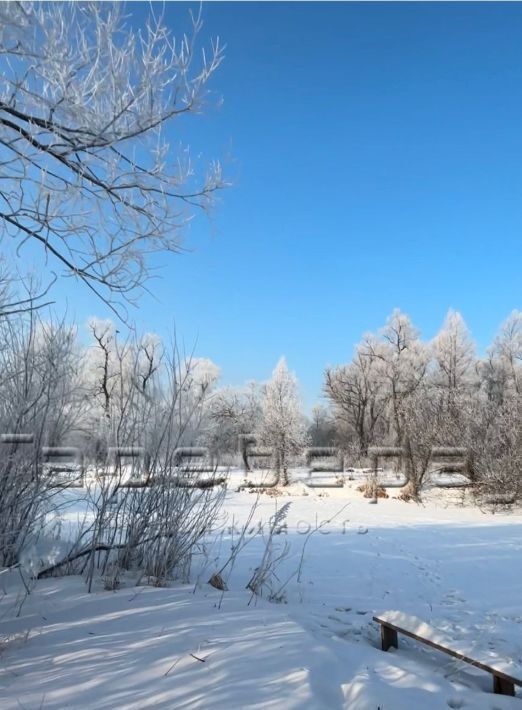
[[322, 430], [358, 396], [87, 172], [495, 432], [507, 347], [454, 355], [282, 428], [196, 383], [403, 363], [233, 411], [496, 447]]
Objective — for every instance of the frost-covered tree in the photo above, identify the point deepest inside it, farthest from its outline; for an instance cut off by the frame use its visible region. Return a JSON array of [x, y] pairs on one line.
[[454, 355], [507, 347], [496, 446], [370, 393], [283, 427], [496, 431], [500, 371], [233, 411], [199, 374], [122, 378], [197, 380], [126, 380], [454, 377], [358, 396], [403, 361], [88, 175], [322, 427]]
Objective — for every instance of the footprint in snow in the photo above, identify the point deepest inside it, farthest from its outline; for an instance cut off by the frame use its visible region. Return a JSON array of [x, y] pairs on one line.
[[452, 598], [339, 621]]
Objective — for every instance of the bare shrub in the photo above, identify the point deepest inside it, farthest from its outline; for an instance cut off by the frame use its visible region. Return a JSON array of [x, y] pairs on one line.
[[497, 454], [148, 515], [38, 390], [372, 490]]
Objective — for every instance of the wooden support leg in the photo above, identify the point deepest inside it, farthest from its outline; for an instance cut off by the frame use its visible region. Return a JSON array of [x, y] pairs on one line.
[[502, 686], [388, 638]]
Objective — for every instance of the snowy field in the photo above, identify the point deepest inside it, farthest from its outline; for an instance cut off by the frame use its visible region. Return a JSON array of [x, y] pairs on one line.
[[192, 646]]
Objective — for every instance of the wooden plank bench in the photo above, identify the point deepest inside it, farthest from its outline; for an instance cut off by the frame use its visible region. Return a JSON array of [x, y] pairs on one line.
[[505, 673]]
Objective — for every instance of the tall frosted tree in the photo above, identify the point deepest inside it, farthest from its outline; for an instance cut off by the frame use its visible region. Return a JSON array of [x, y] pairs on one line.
[[283, 427], [403, 365], [357, 394], [454, 355], [507, 347], [455, 379]]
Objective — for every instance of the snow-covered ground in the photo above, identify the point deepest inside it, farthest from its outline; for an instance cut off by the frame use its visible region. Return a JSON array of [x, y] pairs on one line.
[[191, 646]]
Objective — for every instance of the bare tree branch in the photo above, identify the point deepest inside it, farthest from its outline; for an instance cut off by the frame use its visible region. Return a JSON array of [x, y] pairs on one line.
[[87, 171]]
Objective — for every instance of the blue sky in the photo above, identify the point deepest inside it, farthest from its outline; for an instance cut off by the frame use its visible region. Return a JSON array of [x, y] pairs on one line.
[[376, 158]]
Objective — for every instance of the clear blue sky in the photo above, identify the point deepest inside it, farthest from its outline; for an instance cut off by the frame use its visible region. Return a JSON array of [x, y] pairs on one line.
[[376, 155]]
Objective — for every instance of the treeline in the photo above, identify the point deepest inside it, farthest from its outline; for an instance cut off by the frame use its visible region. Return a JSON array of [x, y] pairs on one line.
[[401, 391]]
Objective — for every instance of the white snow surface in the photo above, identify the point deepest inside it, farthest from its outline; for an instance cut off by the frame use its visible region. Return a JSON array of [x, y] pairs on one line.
[[455, 567]]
